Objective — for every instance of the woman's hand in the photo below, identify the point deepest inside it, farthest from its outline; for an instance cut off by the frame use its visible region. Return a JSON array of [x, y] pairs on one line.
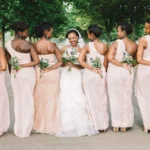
[[96, 70], [126, 66], [45, 70], [20, 67]]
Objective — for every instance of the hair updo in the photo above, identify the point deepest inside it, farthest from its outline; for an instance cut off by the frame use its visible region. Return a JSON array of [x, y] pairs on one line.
[[148, 20], [41, 28], [95, 29], [126, 27], [72, 31], [19, 26]]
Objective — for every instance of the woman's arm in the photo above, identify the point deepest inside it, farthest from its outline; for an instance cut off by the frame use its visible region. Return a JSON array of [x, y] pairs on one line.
[[111, 56], [82, 57], [34, 56], [59, 58], [112, 53], [142, 45], [3, 62]]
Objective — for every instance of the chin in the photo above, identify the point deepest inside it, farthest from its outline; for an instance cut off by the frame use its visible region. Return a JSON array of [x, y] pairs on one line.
[[73, 44]]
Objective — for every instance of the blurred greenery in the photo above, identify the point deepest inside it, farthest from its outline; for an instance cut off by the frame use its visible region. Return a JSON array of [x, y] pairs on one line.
[[66, 14]]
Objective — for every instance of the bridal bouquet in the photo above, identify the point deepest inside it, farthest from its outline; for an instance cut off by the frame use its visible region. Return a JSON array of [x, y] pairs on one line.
[[14, 62], [70, 55], [96, 63], [128, 59], [44, 63]]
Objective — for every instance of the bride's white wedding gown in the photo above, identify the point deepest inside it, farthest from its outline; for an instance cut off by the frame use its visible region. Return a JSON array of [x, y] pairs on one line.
[[73, 106]]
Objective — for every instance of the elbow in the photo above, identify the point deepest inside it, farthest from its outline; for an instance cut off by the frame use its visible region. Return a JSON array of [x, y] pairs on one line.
[[139, 61]]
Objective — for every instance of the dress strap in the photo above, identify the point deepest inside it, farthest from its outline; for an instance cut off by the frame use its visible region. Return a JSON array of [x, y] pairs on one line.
[[121, 46], [90, 46]]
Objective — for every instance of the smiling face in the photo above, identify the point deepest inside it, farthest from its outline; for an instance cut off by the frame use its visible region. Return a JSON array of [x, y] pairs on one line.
[[120, 32], [73, 39], [147, 28]]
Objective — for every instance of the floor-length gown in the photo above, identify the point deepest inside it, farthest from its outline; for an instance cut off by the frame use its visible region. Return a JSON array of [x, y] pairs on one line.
[[119, 82], [143, 86], [46, 116], [96, 92], [4, 105], [75, 120], [23, 86]]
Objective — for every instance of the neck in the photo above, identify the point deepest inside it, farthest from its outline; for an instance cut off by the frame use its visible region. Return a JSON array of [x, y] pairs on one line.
[[124, 38], [44, 38], [18, 37], [97, 40], [74, 46]]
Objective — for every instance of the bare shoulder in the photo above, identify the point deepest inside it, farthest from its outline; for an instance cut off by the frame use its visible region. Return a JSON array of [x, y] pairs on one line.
[[86, 47], [142, 40], [113, 45], [28, 45], [52, 43]]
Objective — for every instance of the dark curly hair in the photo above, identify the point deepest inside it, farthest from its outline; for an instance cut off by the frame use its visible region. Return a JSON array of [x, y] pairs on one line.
[[95, 29], [126, 27], [19, 26], [41, 28], [72, 31]]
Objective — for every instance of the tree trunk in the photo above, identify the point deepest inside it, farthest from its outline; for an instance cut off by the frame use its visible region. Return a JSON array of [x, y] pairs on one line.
[[108, 38], [133, 34], [30, 38]]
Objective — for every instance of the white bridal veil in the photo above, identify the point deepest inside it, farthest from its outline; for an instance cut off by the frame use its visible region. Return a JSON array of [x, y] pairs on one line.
[[81, 42]]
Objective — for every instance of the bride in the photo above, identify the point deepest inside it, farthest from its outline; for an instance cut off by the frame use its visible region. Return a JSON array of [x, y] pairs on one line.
[[75, 120]]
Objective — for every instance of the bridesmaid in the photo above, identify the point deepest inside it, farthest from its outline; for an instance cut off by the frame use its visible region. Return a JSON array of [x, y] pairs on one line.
[[24, 82], [94, 85], [120, 81], [4, 102], [143, 76], [46, 118]]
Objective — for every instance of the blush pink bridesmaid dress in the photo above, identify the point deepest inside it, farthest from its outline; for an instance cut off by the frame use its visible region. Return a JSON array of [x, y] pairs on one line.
[[4, 105], [119, 82], [96, 91], [143, 86], [46, 118], [23, 87]]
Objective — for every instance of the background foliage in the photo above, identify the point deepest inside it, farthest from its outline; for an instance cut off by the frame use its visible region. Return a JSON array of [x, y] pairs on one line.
[[66, 14]]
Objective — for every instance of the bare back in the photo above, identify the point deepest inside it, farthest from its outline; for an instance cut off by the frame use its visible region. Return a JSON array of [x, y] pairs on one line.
[[100, 47], [44, 47], [21, 46], [131, 47]]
